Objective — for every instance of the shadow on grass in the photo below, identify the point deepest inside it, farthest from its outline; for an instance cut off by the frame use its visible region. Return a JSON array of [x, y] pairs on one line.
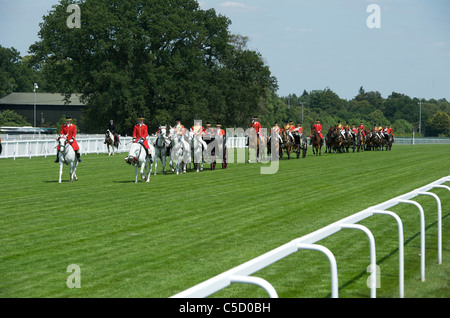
[[56, 181], [126, 181], [386, 257]]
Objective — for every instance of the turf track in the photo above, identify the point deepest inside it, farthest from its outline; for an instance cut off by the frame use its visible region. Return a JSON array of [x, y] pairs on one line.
[[157, 239]]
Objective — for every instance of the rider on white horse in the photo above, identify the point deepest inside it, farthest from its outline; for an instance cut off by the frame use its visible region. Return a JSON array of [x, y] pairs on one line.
[[69, 130], [140, 133], [198, 130], [180, 130]]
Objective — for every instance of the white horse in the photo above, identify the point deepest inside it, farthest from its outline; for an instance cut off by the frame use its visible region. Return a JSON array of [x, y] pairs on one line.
[[66, 155], [162, 145], [181, 151], [111, 142], [137, 157], [197, 149]]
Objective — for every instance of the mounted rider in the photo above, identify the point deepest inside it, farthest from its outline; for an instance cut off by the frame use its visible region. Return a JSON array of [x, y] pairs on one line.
[[112, 129], [277, 130], [299, 129], [256, 125], [219, 131], [180, 131], [354, 130], [318, 127], [208, 130], [348, 129], [70, 130], [198, 130], [390, 131], [362, 128], [289, 128], [380, 131], [140, 134]]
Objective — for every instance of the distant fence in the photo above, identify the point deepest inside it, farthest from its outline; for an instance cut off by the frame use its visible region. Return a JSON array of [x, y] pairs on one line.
[[420, 141], [23, 146], [14, 146]]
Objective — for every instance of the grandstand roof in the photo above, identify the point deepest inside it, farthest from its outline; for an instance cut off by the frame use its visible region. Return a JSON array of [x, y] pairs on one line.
[[41, 99]]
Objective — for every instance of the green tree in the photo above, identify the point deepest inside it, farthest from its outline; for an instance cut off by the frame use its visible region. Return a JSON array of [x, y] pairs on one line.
[[11, 118], [16, 74], [163, 59], [438, 125], [402, 127]]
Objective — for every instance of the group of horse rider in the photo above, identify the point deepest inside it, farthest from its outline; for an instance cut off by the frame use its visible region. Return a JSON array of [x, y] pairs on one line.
[[352, 131], [289, 127], [140, 131]]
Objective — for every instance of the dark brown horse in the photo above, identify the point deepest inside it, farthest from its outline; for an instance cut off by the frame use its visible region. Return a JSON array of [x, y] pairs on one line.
[[253, 145], [287, 143], [276, 142], [316, 142], [360, 140], [348, 140], [329, 140]]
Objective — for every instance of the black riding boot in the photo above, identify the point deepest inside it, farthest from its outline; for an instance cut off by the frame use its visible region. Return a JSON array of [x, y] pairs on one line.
[[78, 157], [57, 158]]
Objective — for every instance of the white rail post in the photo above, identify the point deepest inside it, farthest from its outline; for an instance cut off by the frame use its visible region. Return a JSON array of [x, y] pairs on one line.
[[255, 281], [333, 264], [439, 215], [373, 264], [401, 262], [422, 236]]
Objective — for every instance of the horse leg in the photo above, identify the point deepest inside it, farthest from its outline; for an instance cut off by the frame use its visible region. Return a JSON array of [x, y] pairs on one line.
[[135, 174], [148, 169], [74, 169], [60, 168]]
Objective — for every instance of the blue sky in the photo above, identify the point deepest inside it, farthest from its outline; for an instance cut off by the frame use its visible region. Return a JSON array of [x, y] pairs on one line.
[[314, 44]]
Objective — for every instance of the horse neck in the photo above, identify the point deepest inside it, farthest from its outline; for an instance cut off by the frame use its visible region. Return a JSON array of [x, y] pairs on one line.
[[135, 150], [160, 144]]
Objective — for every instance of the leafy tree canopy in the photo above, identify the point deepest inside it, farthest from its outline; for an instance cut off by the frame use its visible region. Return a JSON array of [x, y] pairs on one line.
[[163, 59]]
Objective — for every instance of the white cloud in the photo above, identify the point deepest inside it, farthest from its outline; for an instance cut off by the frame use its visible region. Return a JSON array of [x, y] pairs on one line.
[[230, 4], [236, 6]]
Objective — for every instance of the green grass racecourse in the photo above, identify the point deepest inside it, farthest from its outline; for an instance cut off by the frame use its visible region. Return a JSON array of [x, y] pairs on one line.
[[158, 239]]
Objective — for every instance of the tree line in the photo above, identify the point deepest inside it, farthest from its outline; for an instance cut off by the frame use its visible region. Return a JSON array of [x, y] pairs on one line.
[[169, 59]]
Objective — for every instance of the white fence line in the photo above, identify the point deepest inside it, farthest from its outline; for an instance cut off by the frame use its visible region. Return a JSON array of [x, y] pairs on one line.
[[18, 148], [420, 141], [223, 280], [15, 146]]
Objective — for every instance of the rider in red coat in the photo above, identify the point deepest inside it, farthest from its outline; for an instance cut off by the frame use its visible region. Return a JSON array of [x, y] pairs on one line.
[[256, 125], [362, 128], [140, 133], [70, 130], [318, 127]]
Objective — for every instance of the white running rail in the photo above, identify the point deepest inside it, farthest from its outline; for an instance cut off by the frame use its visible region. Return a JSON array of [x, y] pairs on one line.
[[241, 273], [90, 144]]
